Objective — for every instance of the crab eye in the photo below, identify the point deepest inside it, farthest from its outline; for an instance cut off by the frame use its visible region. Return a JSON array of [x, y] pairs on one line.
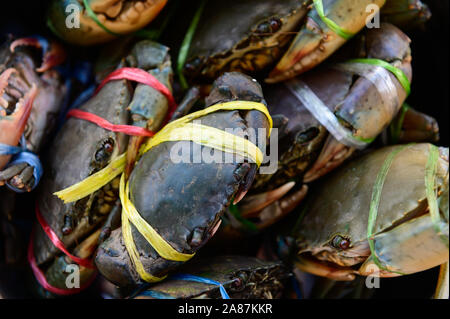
[[340, 242], [194, 65], [275, 24], [271, 26], [263, 28], [104, 152]]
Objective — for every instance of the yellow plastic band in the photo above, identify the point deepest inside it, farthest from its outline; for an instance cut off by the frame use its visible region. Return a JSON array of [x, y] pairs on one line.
[[129, 213], [208, 136], [129, 242], [227, 106], [232, 143], [94, 182]]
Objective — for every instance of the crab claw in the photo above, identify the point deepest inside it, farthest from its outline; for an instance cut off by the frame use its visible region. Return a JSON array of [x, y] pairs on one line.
[[255, 203], [53, 53], [332, 155], [267, 208], [11, 129], [302, 55]]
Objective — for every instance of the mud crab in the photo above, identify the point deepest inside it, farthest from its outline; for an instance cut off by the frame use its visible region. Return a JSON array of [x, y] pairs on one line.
[[306, 150], [79, 224], [384, 214], [185, 210], [100, 21], [31, 94], [264, 28], [270, 35], [242, 277]]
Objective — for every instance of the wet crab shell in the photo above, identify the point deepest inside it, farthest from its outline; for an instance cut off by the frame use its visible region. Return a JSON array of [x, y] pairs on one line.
[[183, 202], [243, 278], [260, 29], [120, 18], [71, 158]]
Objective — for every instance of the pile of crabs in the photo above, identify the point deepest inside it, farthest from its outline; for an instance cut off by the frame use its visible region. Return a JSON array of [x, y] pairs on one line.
[[278, 159]]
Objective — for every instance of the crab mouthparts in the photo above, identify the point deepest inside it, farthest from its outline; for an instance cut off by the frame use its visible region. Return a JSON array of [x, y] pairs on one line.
[[307, 263]]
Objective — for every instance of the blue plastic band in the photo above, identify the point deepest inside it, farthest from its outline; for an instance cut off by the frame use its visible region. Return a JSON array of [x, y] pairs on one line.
[[156, 294], [32, 160], [43, 42], [187, 277], [296, 287], [9, 150]]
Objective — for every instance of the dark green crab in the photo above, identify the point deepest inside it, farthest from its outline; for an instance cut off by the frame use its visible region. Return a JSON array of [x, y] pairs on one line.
[[242, 277], [182, 205], [78, 224]]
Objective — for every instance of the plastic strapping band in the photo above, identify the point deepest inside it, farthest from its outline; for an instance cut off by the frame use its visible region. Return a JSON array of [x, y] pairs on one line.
[[188, 277], [9, 150], [323, 114], [169, 132], [379, 77], [184, 49], [375, 202], [126, 129], [40, 277], [330, 23], [155, 294], [129, 212], [141, 76], [58, 243], [398, 73], [430, 175]]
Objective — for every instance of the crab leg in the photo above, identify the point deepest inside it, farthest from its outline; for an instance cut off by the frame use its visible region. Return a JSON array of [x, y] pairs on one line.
[[53, 54], [443, 283]]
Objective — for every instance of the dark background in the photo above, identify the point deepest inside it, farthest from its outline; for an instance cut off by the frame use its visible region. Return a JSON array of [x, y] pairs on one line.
[[430, 52]]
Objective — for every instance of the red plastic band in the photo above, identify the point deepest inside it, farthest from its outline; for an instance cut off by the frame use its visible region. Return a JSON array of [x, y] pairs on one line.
[[40, 277], [58, 243], [141, 76], [127, 129]]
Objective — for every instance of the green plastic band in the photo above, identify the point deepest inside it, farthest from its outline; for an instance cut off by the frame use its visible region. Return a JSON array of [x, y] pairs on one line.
[[396, 126], [93, 16], [184, 49], [430, 174], [245, 222], [399, 74], [330, 23], [375, 203], [367, 140], [53, 29]]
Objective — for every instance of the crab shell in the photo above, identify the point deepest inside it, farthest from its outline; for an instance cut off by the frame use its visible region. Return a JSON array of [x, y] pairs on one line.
[[119, 16], [82, 148], [216, 47], [243, 278], [70, 159], [405, 238], [183, 201]]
